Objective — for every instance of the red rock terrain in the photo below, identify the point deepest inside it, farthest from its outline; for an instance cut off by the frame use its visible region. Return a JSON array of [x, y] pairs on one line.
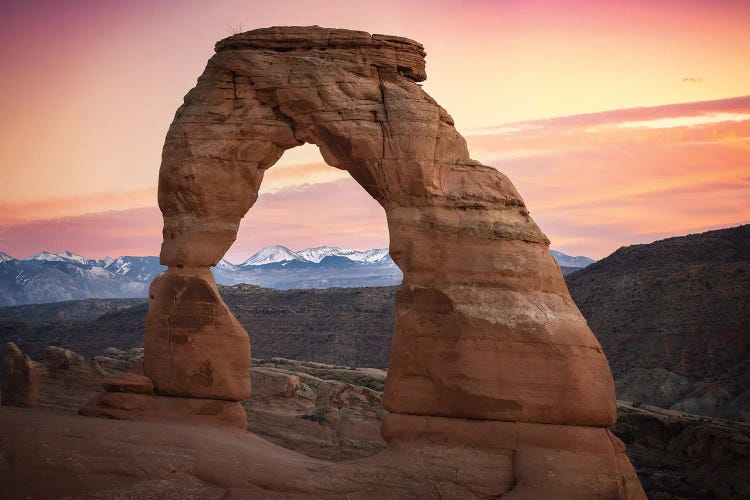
[[326, 412], [491, 362]]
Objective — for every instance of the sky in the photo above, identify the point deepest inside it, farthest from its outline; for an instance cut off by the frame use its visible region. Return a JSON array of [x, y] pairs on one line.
[[619, 122]]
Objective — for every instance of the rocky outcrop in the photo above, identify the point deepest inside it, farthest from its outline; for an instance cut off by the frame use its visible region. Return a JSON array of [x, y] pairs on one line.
[[152, 408], [20, 381], [492, 366], [322, 411], [483, 312], [194, 345], [485, 329], [333, 413], [61, 379], [685, 456]]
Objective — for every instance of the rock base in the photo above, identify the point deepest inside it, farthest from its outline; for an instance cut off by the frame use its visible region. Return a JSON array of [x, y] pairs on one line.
[[534, 460], [153, 408], [20, 381], [130, 397], [158, 461]]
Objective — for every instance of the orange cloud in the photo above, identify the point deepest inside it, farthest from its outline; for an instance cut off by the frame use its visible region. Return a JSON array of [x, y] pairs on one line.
[[13, 212], [280, 177], [595, 182], [331, 213]]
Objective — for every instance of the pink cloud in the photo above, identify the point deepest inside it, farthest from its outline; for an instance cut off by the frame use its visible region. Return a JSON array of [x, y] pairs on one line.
[[135, 231], [591, 184], [740, 104], [333, 213], [13, 212]]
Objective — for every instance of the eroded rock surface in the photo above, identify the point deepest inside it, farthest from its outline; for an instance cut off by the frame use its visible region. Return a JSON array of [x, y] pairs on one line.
[[319, 411], [334, 413], [484, 326], [20, 382], [194, 345], [323, 411], [61, 379]]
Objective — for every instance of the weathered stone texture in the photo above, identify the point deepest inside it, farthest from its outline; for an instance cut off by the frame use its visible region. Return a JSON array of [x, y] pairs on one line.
[[20, 380], [194, 345], [484, 329]]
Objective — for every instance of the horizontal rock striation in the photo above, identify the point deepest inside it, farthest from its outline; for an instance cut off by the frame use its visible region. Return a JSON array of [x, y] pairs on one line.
[[484, 325]]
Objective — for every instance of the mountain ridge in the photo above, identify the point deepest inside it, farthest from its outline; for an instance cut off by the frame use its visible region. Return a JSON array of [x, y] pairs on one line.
[[50, 277], [672, 318], [676, 336]]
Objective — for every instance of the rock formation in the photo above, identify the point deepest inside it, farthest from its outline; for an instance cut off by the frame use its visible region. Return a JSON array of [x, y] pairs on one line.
[[489, 353], [326, 412], [20, 381]]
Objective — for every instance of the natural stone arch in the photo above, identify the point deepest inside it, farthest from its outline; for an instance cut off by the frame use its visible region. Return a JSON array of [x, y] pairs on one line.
[[485, 328]]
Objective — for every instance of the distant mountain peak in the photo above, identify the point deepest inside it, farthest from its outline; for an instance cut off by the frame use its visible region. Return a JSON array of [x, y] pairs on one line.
[[44, 255], [317, 254], [565, 260], [225, 264], [272, 255], [72, 257], [4, 257]]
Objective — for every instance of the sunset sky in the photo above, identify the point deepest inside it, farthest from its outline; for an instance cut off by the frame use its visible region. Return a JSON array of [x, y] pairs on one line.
[[619, 122]]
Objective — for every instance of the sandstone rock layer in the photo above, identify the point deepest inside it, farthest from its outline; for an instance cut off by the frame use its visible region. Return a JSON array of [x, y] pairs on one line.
[[194, 345], [484, 329], [20, 380]]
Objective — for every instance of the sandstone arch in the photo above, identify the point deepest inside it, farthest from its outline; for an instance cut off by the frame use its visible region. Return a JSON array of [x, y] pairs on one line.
[[485, 328]]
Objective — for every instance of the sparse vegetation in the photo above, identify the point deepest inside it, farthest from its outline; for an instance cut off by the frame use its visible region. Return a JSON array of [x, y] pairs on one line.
[[316, 417]]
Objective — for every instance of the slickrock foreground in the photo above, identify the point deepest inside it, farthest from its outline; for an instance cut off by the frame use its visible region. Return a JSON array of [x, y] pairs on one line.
[[496, 386], [328, 412]]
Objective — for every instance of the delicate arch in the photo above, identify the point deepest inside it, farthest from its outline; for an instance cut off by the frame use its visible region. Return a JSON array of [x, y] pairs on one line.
[[485, 327]]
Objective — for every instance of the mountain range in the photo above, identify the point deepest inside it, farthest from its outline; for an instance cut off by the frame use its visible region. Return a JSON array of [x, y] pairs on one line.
[[671, 316], [52, 277]]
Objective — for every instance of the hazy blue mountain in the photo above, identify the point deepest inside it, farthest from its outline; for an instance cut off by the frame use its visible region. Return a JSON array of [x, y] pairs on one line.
[[38, 281], [52, 277], [564, 260]]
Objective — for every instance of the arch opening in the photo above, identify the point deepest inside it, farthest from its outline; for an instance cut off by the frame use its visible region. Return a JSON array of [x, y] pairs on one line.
[[305, 205], [303, 208]]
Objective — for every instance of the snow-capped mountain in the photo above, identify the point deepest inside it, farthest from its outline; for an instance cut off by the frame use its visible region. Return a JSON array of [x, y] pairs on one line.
[[71, 257], [32, 281], [225, 265], [143, 269], [319, 253], [275, 254], [65, 256], [278, 254], [52, 277], [45, 255], [564, 260]]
